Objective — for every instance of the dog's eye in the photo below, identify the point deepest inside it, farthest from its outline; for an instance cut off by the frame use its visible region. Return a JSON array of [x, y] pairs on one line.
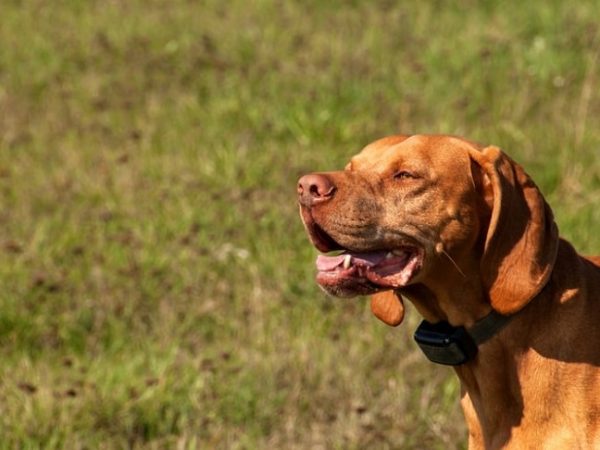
[[404, 175]]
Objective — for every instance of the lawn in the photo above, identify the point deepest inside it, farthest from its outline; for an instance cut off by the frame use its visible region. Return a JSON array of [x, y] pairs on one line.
[[157, 287]]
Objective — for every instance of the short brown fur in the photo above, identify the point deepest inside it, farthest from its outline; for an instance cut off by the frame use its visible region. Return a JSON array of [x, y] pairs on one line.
[[491, 244]]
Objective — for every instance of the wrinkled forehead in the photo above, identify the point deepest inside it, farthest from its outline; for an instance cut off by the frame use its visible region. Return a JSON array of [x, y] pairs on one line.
[[426, 152]]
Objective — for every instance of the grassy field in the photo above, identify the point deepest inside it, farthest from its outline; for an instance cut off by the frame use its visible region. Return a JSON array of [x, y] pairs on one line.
[[156, 285]]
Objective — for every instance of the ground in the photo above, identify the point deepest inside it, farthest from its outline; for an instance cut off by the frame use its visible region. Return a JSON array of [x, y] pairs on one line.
[[157, 287]]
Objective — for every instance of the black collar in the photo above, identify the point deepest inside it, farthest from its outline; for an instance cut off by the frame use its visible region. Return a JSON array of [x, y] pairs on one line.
[[444, 344]]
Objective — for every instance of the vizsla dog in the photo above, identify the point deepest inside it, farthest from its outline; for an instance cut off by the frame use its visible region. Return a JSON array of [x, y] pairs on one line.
[[464, 234]]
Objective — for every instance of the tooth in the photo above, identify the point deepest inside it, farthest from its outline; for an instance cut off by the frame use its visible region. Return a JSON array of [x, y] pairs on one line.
[[347, 261], [389, 255], [398, 252]]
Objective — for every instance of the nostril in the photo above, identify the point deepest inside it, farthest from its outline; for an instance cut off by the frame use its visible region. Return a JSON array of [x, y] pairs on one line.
[[315, 188], [328, 191]]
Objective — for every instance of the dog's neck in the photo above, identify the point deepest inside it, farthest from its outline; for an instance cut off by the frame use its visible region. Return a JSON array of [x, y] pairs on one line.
[[463, 305], [490, 383], [516, 370]]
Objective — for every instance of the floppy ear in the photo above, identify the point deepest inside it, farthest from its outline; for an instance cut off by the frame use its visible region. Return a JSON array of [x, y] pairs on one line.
[[388, 307], [522, 239]]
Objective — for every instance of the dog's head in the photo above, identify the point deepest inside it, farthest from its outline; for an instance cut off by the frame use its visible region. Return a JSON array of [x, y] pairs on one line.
[[421, 214]]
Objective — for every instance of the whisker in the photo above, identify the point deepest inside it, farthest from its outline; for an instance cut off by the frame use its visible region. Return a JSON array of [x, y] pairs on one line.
[[453, 263]]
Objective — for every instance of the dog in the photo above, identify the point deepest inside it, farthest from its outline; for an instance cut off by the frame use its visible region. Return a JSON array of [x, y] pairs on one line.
[[464, 233]]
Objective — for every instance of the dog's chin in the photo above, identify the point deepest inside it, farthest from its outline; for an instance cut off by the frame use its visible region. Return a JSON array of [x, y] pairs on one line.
[[347, 288]]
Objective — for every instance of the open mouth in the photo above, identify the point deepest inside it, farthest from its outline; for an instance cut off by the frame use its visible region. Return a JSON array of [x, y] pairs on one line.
[[350, 273]]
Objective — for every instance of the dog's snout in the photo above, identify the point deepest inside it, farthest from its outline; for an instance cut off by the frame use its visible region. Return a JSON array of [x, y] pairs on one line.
[[315, 188]]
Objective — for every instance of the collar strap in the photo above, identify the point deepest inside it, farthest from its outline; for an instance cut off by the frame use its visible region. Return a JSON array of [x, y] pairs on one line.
[[445, 344]]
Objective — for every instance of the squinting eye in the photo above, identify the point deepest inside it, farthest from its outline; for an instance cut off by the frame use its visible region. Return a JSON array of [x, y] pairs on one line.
[[403, 175]]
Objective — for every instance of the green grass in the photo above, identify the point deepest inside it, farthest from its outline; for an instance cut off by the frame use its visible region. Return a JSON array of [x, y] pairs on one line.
[[156, 283]]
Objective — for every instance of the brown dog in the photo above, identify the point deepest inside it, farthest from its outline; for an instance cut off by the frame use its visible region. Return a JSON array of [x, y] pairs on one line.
[[466, 235]]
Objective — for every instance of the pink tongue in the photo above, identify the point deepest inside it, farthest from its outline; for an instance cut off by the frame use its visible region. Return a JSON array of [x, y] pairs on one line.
[[326, 263]]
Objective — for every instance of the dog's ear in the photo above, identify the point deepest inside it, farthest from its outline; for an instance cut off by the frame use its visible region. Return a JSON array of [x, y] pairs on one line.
[[521, 241], [388, 307]]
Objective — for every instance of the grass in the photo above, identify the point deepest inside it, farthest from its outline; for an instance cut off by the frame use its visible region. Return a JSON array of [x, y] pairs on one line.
[[157, 285]]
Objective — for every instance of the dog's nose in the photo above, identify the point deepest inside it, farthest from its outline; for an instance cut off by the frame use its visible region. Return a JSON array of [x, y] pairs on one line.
[[314, 188]]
